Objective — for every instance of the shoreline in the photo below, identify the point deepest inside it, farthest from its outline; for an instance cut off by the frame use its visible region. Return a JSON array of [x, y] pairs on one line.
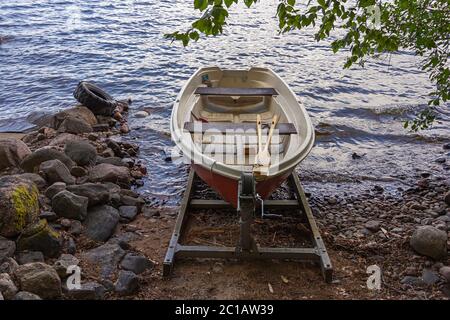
[[370, 227]]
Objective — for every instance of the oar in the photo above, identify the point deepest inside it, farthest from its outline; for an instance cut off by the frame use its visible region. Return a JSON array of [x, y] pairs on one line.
[[258, 129], [263, 156]]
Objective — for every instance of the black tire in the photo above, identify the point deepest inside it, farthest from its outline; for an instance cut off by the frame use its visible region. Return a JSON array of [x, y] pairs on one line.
[[96, 99]]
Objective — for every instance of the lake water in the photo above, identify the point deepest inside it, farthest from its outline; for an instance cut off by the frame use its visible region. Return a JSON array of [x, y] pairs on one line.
[[119, 45]]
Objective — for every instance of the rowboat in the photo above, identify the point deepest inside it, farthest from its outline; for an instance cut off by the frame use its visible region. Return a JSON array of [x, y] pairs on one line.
[[226, 122]]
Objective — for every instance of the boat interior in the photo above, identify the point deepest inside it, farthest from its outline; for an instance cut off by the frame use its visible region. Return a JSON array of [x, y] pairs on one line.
[[223, 120]]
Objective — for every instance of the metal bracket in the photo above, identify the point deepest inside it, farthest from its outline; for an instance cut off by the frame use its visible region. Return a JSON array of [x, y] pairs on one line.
[[247, 247]]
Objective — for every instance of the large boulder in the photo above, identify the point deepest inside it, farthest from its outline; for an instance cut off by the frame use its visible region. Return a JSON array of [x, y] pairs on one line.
[[41, 237], [33, 161], [79, 112], [74, 125], [82, 152], [54, 189], [63, 138], [12, 152], [69, 205], [56, 171], [19, 203], [101, 222], [40, 279], [33, 177], [430, 241], [106, 257], [96, 193], [105, 172]]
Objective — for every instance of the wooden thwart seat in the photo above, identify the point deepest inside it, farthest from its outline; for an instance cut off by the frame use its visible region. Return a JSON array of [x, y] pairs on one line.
[[241, 92], [222, 127]]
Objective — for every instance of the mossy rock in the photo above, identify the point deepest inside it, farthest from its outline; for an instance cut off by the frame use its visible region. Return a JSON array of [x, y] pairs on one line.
[[19, 200], [41, 237]]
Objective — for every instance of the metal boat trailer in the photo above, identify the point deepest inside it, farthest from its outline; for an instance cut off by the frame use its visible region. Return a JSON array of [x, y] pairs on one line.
[[247, 248]]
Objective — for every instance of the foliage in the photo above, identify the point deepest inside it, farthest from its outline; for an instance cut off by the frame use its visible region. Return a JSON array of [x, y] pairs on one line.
[[371, 28]]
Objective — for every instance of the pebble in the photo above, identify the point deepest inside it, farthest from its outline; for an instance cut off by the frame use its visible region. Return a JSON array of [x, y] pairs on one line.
[[373, 225], [141, 114]]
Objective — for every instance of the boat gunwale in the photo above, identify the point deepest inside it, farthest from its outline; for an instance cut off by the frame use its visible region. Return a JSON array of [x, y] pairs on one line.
[[207, 162]]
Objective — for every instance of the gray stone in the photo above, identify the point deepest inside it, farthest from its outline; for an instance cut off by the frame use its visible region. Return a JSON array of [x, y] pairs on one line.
[[74, 125], [63, 138], [81, 112], [69, 205], [413, 282], [7, 287], [131, 201], [48, 215], [429, 277], [373, 225], [19, 203], [141, 114], [40, 279], [127, 283], [63, 263], [9, 265], [55, 189], [106, 257], [33, 161], [12, 152], [429, 241], [33, 177], [105, 172], [25, 257], [96, 193], [40, 237], [55, 171], [76, 228], [81, 152], [78, 172], [136, 263], [24, 295], [101, 222], [111, 160], [115, 147], [445, 273], [71, 246], [7, 248], [88, 291], [127, 213]]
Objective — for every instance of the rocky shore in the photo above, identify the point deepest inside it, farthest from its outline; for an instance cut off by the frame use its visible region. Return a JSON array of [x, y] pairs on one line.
[[407, 236], [66, 194], [69, 205]]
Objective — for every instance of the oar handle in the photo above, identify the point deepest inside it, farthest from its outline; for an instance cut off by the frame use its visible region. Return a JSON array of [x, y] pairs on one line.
[[259, 131], [272, 129]]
